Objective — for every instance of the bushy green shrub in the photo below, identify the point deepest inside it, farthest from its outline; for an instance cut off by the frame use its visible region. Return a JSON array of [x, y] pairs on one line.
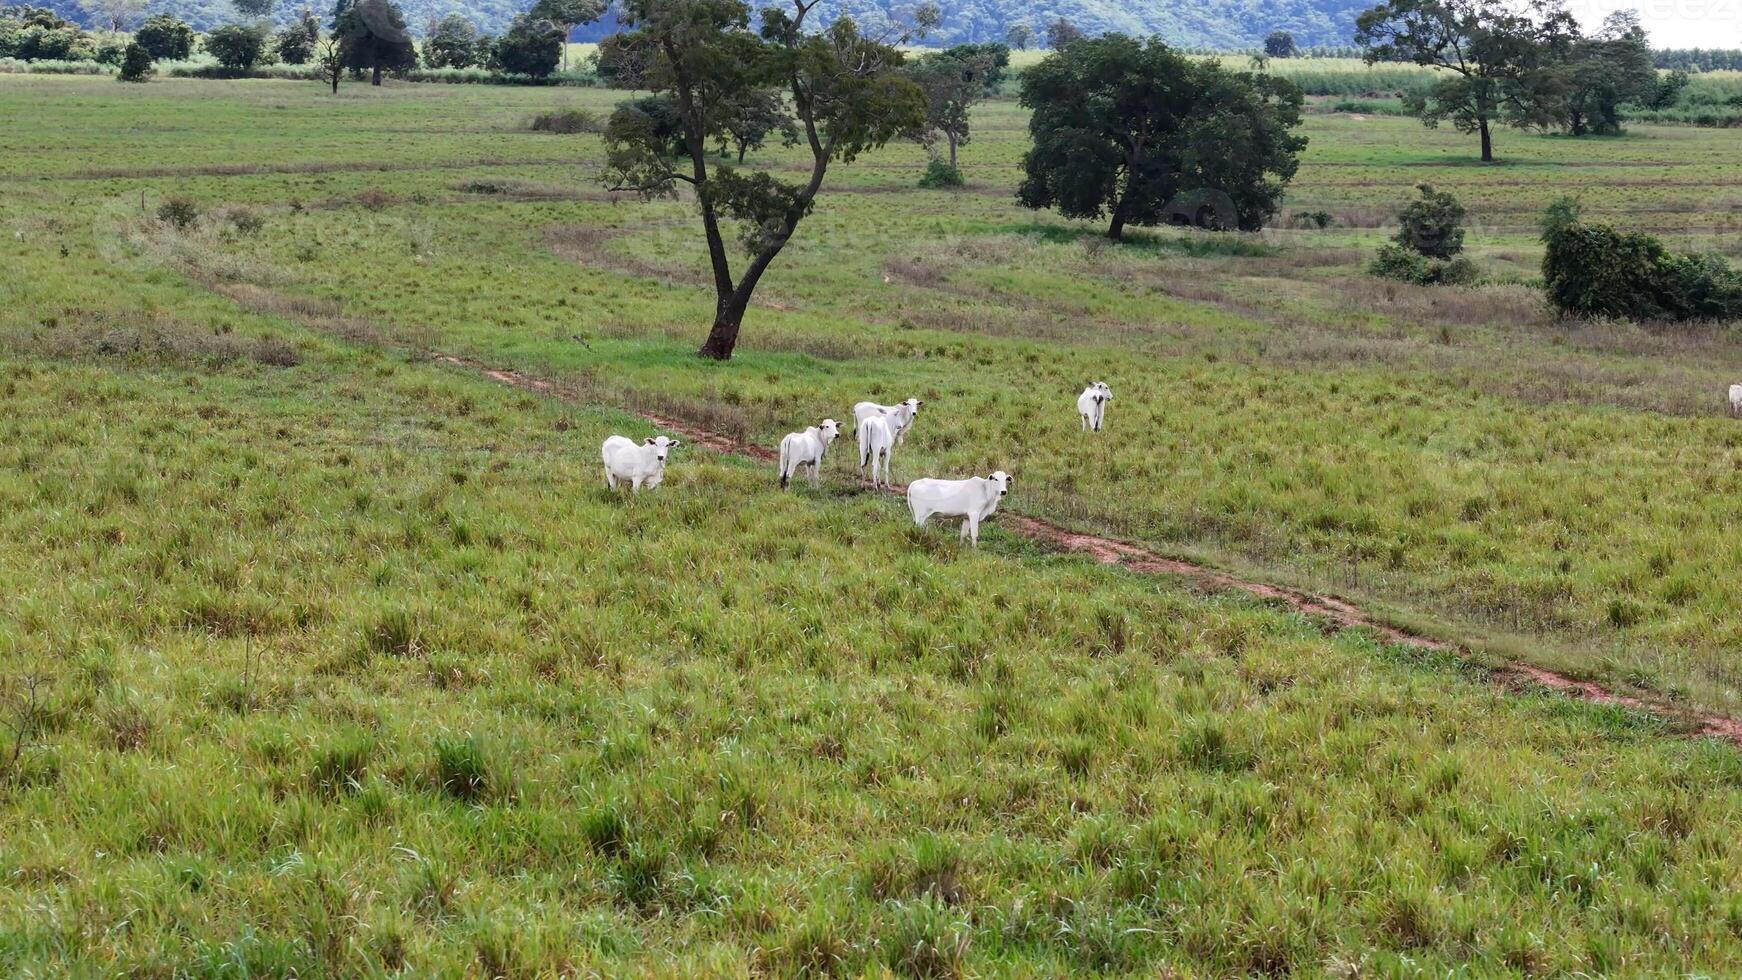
[[1432, 225], [136, 64], [237, 48], [178, 211], [165, 38], [567, 121], [1593, 270], [1397, 262], [939, 173]]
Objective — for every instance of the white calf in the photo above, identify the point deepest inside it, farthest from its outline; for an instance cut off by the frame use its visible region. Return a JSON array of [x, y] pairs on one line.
[[973, 500], [642, 466], [901, 415], [1092, 405], [806, 448], [1736, 400], [876, 442]]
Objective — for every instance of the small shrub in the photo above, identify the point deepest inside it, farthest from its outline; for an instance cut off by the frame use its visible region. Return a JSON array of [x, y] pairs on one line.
[[939, 173], [1396, 262], [178, 211], [136, 64], [373, 199], [275, 352], [246, 221], [1432, 225], [566, 121], [1312, 219]]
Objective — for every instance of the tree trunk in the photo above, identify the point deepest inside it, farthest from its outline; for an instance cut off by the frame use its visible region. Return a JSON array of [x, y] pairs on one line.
[[1487, 141], [375, 79], [724, 335], [729, 313], [952, 138], [336, 75], [1117, 230], [741, 147]]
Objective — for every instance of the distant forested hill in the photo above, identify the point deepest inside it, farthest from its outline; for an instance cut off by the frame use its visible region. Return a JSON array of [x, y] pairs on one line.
[[1209, 24]]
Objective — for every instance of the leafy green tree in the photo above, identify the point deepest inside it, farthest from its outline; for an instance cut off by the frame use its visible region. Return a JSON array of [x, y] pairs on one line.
[[1020, 36], [1501, 62], [954, 80], [566, 15], [165, 38], [1606, 71], [531, 46], [1279, 44], [330, 58], [136, 64], [39, 34], [295, 45], [237, 47], [1060, 33], [116, 15], [1135, 132], [254, 8], [452, 43], [845, 92], [373, 38]]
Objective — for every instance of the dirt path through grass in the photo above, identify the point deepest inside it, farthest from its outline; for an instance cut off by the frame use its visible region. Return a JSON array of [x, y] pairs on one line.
[[1332, 612]]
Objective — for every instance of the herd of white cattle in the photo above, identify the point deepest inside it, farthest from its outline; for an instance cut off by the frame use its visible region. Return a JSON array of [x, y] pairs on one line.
[[880, 428]]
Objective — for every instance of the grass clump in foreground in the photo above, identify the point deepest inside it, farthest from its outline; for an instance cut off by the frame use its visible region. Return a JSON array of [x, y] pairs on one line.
[[721, 729]]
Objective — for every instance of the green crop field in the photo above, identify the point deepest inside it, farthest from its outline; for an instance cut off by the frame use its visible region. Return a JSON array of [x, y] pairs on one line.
[[324, 656]]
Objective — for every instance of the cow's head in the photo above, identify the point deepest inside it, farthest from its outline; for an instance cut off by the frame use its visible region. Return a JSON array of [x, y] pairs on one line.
[[1004, 480], [830, 429], [661, 445], [913, 405], [1106, 392]]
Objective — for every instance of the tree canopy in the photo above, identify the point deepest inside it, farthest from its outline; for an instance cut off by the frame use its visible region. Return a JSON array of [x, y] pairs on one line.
[[1131, 130], [954, 80], [451, 42], [1499, 60], [843, 90], [165, 38], [373, 38]]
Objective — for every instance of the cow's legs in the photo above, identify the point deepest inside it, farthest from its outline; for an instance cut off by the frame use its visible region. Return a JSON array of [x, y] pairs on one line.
[[635, 485], [972, 524]]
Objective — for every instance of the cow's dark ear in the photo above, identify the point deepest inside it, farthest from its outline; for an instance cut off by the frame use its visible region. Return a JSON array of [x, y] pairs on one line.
[[674, 444], [647, 442]]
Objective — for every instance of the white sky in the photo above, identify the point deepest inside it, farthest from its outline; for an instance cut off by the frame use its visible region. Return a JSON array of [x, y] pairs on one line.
[[1673, 23]]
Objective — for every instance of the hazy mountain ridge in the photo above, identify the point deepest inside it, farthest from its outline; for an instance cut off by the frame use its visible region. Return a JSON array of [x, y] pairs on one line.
[[1217, 24]]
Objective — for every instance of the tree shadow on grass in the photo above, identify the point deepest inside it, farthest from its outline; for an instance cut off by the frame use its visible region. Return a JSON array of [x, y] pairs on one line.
[[1167, 240]]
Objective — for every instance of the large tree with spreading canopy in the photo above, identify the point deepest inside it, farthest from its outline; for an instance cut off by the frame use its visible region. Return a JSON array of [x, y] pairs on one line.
[[843, 90]]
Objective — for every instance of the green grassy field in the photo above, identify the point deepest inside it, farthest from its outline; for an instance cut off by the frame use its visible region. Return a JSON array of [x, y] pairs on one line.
[[329, 659]]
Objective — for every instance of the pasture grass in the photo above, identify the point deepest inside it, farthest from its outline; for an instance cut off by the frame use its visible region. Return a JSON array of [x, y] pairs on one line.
[[354, 666], [1567, 492], [321, 657]]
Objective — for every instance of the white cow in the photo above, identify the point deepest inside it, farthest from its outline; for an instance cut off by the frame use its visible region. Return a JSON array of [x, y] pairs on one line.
[[876, 442], [973, 500], [642, 466], [1092, 405], [901, 415], [1736, 400], [806, 448]]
